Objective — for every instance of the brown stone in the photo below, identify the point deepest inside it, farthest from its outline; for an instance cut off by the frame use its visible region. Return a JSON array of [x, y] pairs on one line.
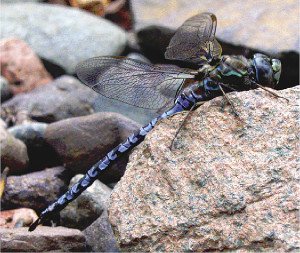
[[43, 239], [35, 190], [21, 66], [228, 183], [82, 141]]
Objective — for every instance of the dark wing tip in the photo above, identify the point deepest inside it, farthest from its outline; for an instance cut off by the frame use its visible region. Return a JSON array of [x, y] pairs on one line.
[[191, 38], [212, 16]]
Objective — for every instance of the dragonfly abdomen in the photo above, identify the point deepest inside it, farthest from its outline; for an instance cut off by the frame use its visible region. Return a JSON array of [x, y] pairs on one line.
[[183, 103]]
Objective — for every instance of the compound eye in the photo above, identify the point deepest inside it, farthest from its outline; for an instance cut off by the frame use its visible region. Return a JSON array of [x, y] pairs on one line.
[[258, 55], [263, 71], [276, 65]]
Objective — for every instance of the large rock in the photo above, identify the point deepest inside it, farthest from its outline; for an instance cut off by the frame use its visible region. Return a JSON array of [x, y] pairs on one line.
[[13, 152], [99, 235], [228, 183], [256, 24], [66, 37], [43, 239], [82, 141], [21, 66], [35, 190], [84, 210]]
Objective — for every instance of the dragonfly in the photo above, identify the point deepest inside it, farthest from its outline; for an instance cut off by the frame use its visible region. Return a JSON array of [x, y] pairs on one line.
[[168, 89]]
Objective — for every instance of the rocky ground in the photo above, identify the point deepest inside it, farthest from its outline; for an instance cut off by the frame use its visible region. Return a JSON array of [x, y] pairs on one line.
[[228, 184]]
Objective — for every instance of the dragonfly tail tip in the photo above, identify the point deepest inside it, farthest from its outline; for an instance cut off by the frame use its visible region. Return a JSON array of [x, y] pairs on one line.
[[34, 225]]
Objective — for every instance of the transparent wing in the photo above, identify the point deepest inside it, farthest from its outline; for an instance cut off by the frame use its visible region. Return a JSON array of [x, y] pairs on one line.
[[195, 40], [133, 82]]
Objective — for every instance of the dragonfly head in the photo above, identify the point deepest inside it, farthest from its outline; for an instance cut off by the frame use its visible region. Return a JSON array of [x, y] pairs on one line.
[[267, 70]]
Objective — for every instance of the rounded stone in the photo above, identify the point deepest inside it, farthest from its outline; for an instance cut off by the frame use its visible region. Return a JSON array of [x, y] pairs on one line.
[[13, 153], [66, 37]]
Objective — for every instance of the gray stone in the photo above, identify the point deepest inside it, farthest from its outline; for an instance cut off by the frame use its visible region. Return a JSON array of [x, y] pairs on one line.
[[34, 190], [64, 98], [13, 153], [228, 184], [99, 236], [82, 141], [43, 239], [66, 37], [40, 154], [270, 27], [6, 92], [84, 210], [30, 132]]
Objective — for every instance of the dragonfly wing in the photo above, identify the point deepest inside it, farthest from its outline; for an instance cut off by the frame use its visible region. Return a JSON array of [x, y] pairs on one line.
[[194, 39], [136, 83]]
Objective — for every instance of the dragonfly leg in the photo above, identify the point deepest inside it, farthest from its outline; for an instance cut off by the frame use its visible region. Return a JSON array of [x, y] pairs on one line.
[[227, 86], [181, 125], [229, 101], [273, 93]]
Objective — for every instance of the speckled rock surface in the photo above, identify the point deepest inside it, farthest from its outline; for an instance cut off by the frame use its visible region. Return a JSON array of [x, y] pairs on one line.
[[43, 239], [271, 26], [228, 184]]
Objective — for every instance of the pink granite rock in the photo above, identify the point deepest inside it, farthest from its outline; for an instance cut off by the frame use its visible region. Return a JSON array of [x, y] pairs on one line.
[[227, 184], [21, 66]]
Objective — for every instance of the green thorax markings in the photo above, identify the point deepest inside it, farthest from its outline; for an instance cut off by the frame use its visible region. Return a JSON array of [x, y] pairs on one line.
[[229, 66]]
